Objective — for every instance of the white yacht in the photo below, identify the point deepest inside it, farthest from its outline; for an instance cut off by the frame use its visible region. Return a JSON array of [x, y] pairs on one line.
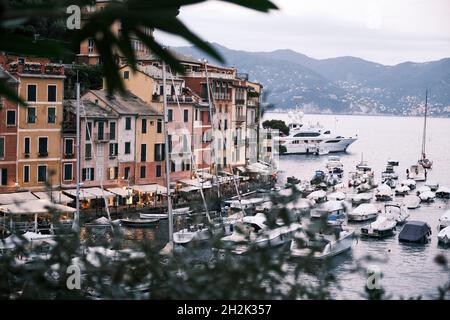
[[314, 139]]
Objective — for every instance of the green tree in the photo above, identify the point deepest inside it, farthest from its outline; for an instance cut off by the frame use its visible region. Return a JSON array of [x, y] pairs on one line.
[[277, 125]]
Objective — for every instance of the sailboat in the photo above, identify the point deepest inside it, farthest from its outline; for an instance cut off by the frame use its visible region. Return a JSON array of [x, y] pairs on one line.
[[424, 161]]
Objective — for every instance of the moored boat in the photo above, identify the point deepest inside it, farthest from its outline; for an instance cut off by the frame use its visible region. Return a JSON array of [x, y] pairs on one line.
[[412, 202], [363, 212], [415, 231], [382, 227], [139, 223], [443, 192], [444, 236], [444, 220]]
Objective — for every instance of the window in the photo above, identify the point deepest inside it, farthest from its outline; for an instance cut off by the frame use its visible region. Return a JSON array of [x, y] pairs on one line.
[[3, 176], [42, 173], [10, 117], [51, 115], [68, 171], [224, 161], [307, 134], [126, 74], [186, 115], [90, 45], [26, 145], [2, 147], [144, 125], [88, 151], [196, 115], [187, 166], [26, 174], [159, 152], [169, 115], [159, 126], [51, 93], [158, 170], [31, 115], [143, 152], [173, 167], [112, 131], [142, 172], [87, 174], [113, 173], [169, 138], [127, 147], [113, 149], [68, 147], [101, 130], [126, 173], [31, 93], [88, 131], [128, 123], [43, 146], [225, 126]]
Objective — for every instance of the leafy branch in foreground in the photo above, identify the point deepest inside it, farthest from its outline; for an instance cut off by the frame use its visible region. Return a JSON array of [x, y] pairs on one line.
[[134, 16]]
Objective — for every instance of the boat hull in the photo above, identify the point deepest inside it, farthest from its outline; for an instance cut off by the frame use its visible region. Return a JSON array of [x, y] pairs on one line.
[[340, 146]]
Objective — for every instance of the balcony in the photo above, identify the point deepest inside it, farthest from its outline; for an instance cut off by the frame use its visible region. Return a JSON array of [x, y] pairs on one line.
[[42, 154], [104, 138], [240, 102]]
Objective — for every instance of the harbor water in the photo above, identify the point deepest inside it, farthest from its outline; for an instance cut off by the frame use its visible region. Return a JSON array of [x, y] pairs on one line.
[[408, 270]]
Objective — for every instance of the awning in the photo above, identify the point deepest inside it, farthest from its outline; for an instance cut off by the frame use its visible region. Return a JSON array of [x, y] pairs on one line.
[[8, 198], [150, 188], [197, 183], [189, 189], [120, 192], [56, 197], [89, 193], [40, 206]]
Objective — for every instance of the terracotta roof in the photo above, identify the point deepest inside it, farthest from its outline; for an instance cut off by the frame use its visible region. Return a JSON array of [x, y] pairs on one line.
[[92, 109]]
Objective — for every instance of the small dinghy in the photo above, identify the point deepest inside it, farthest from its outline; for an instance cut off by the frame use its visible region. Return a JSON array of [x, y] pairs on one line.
[[444, 220], [363, 212], [427, 196], [444, 236], [412, 202], [433, 185], [139, 223], [402, 190], [384, 193], [415, 231], [443, 193], [324, 246], [382, 227], [361, 198], [193, 233]]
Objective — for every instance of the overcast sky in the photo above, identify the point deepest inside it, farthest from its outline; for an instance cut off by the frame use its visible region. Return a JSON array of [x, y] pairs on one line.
[[384, 31]]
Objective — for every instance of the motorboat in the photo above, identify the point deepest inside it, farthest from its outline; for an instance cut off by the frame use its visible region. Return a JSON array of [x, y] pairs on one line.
[[254, 231], [101, 222], [363, 212], [318, 196], [340, 239], [443, 192], [139, 223], [390, 182], [444, 220], [333, 179], [27, 238], [398, 212], [427, 196], [245, 204], [364, 187], [444, 236], [422, 189], [334, 165], [389, 173], [383, 193], [412, 202], [175, 213], [328, 208], [382, 227], [337, 196], [361, 198], [415, 231], [410, 183], [433, 185], [402, 190], [313, 139], [417, 173], [393, 162], [193, 233], [300, 206], [319, 177]]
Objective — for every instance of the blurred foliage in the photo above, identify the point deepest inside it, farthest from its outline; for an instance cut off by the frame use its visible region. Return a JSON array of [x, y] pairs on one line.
[[277, 125], [89, 76]]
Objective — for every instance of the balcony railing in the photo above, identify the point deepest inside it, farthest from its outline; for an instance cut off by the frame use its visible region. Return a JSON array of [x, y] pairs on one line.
[[240, 102], [240, 119]]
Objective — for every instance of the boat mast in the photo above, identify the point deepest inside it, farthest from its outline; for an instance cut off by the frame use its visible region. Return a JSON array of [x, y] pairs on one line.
[[166, 152], [76, 220], [425, 126], [213, 154]]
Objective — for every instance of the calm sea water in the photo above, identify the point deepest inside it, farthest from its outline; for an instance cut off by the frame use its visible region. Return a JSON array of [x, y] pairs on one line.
[[408, 270]]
